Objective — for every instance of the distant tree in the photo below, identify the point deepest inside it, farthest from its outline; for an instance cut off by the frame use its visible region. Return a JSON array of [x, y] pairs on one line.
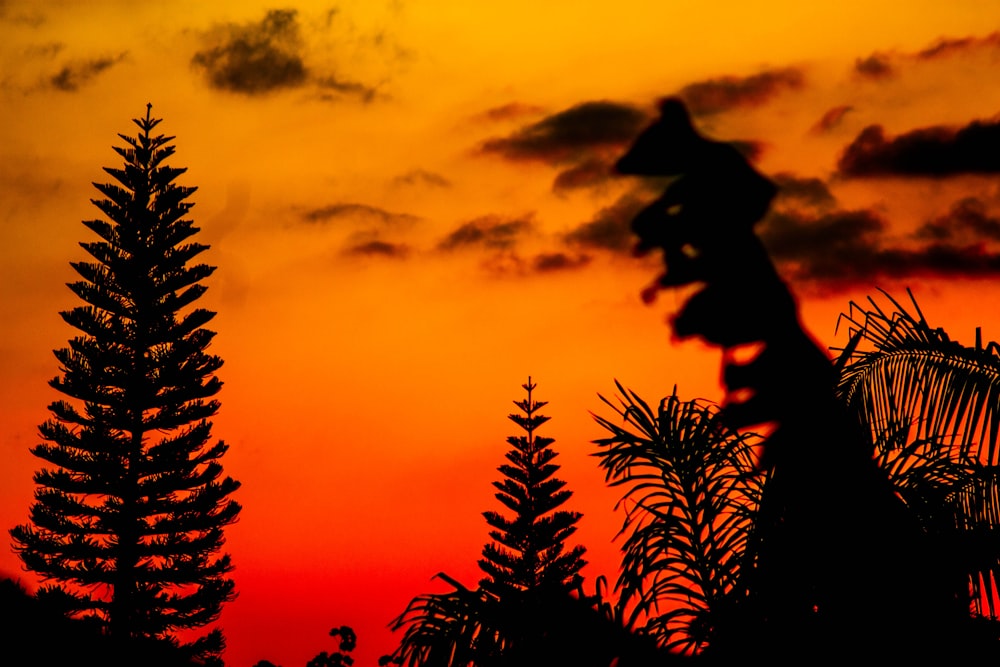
[[129, 511], [339, 658], [518, 611], [528, 552]]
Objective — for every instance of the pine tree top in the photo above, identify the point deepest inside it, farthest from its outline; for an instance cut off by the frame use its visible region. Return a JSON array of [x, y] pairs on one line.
[[528, 551]]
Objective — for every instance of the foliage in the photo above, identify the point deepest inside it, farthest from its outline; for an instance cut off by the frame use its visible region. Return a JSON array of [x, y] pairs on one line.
[[691, 492], [932, 407], [129, 511], [527, 567], [528, 549]]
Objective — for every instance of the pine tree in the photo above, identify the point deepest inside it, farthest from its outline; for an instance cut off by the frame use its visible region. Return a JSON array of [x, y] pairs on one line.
[[528, 552], [128, 516]]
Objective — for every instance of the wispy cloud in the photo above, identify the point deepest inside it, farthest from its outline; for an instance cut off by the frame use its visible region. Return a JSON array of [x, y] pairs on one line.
[[490, 231], [559, 261], [378, 249], [611, 228], [421, 177], [355, 211], [725, 93], [572, 134], [78, 73]]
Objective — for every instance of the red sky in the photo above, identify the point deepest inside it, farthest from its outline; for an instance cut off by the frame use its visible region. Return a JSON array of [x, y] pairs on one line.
[[410, 215]]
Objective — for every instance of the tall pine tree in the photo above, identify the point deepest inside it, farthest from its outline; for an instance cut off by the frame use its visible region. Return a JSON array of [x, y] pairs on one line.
[[130, 507], [528, 552]]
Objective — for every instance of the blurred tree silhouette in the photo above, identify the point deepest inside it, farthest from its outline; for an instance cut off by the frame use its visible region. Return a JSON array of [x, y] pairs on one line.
[[692, 489], [515, 614], [129, 518]]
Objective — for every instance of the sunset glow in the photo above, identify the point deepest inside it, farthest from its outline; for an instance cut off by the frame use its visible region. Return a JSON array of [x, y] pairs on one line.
[[410, 207]]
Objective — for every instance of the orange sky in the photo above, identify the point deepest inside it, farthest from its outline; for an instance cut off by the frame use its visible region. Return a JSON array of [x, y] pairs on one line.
[[396, 255]]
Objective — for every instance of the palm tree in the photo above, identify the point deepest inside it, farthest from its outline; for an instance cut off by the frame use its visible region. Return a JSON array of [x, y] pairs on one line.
[[691, 490], [691, 493]]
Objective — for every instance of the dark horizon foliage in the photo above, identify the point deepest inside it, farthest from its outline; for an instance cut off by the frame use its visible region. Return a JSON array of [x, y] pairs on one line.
[[131, 501], [692, 489], [529, 573]]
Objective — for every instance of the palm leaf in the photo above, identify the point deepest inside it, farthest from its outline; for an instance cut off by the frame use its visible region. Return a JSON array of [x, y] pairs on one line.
[[690, 495], [932, 408]]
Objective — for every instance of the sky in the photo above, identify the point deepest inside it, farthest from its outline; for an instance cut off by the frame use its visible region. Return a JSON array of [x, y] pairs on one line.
[[411, 209]]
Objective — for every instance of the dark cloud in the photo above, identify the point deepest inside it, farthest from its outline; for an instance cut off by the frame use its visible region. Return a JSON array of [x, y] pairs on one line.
[[812, 192], [378, 249], [510, 111], [256, 58], [875, 66], [968, 221], [333, 89], [81, 72], [845, 248], [949, 46], [731, 92], [882, 65], [356, 211], [930, 151], [572, 134], [421, 177], [611, 228], [558, 261], [831, 119], [489, 231], [589, 173]]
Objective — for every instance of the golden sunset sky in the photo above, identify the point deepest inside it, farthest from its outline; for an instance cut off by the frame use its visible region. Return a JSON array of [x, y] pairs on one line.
[[410, 207]]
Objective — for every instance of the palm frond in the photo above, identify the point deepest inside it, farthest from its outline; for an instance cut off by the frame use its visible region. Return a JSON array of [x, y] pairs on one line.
[[449, 629], [690, 495], [904, 373], [932, 407]]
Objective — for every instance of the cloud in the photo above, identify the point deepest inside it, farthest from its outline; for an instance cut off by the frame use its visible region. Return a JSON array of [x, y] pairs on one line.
[[421, 177], [331, 89], [730, 92], [378, 249], [558, 261], [611, 227], [930, 151], [488, 231], [831, 119], [256, 58], [950, 46], [845, 248], [882, 65], [509, 111], [812, 192], [589, 173], [572, 134], [350, 210], [968, 221], [81, 72], [875, 66]]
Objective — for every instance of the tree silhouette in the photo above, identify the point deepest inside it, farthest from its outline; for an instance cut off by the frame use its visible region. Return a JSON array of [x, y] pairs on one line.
[[691, 492], [528, 552], [129, 511], [692, 488], [829, 520], [521, 612]]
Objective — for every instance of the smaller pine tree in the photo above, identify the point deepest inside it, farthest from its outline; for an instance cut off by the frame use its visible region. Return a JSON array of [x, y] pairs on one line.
[[529, 553]]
